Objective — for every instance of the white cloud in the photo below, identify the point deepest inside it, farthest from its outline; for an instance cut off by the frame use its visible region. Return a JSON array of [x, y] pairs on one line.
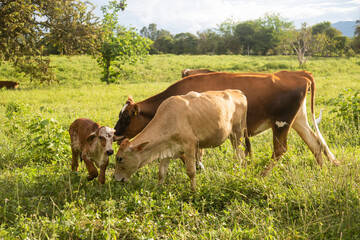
[[192, 16]]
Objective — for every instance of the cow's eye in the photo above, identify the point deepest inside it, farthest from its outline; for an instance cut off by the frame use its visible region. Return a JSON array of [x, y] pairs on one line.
[[101, 138], [119, 159]]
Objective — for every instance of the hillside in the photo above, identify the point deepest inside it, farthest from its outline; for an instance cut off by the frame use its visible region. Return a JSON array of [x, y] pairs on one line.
[[346, 27]]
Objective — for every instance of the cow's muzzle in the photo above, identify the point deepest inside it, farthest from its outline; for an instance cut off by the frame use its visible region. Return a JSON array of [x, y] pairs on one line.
[[121, 179], [110, 152]]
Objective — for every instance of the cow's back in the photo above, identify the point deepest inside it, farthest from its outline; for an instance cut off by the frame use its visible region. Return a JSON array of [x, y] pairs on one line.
[[267, 94], [270, 97], [208, 115], [80, 129]]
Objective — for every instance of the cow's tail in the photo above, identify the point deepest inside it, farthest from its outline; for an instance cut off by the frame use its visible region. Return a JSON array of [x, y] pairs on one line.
[[247, 144], [323, 144], [248, 151]]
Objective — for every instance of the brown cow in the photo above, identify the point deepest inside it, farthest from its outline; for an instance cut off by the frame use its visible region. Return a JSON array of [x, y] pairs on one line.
[[9, 84], [275, 101], [92, 143], [188, 72], [181, 125]]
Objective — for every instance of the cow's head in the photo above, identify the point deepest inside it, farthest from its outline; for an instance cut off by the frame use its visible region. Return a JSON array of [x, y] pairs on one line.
[[128, 160], [101, 140], [131, 120]]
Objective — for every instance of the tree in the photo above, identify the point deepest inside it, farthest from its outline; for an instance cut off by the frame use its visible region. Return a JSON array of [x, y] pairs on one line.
[[329, 38], [302, 42], [26, 26], [159, 37], [278, 28], [208, 42], [164, 42], [325, 27], [185, 43], [323, 44], [72, 30], [119, 45], [356, 41], [151, 32], [245, 32], [228, 43]]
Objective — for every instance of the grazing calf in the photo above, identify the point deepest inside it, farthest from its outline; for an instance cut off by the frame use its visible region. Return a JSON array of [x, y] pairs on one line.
[[188, 72], [9, 84], [93, 144], [182, 125]]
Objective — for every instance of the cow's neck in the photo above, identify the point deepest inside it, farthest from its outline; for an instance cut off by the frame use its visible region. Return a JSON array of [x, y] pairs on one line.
[[150, 105], [157, 148]]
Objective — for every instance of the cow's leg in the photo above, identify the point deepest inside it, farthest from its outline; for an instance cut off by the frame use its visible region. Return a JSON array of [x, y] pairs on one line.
[[235, 139], [315, 144], [75, 159], [199, 157], [302, 127], [163, 168], [93, 173], [103, 168], [190, 162], [280, 146]]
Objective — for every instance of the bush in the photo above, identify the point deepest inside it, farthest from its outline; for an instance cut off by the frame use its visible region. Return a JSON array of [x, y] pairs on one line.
[[40, 139], [46, 141], [347, 107]]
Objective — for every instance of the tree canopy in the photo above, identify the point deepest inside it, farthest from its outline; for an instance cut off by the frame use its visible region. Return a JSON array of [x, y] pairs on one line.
[[268, 35], [28, 26], [119, 45]]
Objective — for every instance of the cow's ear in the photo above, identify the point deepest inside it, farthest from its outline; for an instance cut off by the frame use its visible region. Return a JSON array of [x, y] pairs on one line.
[[139, 147], [136, 109], [125, 143], [130, 100], [91, 137], [118, 139]]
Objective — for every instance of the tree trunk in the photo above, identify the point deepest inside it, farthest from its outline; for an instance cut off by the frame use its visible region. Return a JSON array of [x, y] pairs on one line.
[[107, 71]]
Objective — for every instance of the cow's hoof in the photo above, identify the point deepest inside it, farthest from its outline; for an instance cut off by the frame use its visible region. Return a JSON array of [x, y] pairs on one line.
[[200, 167], [102, 181], [90, 177]]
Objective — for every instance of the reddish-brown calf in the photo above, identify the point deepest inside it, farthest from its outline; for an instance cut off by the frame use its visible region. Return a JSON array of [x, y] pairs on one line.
[[92, 143]]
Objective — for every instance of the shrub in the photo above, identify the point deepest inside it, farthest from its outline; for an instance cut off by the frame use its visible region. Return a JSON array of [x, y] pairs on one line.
[[38, 138], [347, 107], [46, 141]]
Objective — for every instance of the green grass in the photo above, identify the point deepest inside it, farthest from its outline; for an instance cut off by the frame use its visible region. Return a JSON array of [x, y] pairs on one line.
[[40, 198]]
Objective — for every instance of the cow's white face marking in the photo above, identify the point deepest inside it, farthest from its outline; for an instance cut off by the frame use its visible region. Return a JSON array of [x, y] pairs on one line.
[[103, 145], [281, 124]]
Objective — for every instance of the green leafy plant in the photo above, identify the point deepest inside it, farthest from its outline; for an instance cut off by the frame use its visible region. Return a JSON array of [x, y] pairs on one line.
[[347, 107], [46, 141], [119, 44]]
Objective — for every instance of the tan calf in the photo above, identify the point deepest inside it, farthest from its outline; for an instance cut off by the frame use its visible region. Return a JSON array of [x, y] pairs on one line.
[[92, 143], [182, 125]]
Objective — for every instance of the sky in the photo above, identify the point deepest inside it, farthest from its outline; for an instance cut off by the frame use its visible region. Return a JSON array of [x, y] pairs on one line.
[[192, 16]]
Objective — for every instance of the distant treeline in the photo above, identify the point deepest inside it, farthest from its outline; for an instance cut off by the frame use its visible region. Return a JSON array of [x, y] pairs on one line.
[[269, 35], [30, 30]]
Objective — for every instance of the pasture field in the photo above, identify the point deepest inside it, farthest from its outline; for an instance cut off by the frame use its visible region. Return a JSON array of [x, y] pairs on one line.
[[40, 198]]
